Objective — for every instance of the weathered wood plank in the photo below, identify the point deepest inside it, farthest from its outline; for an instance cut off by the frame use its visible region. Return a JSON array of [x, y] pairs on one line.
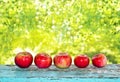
[[109, 73]]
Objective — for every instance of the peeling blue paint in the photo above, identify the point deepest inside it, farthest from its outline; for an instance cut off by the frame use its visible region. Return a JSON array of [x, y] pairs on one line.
[[110, 73]]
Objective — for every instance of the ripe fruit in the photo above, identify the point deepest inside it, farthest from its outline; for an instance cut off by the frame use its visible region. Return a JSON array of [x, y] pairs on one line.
[[99, 60], [81, 61], [43, 60], [23, 59], [62, 60]]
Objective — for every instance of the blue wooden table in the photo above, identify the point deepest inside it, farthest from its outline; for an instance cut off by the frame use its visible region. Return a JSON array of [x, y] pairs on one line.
[[110, 73]]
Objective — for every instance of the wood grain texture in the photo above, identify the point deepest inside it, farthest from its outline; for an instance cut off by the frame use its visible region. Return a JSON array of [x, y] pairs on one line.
[[110, 73]]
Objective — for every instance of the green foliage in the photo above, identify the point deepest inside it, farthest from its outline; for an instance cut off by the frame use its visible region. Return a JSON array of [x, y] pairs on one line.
[[52, 26]]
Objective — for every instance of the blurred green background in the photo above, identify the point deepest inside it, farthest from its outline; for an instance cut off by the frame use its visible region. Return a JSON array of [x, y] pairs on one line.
[[52, 26]]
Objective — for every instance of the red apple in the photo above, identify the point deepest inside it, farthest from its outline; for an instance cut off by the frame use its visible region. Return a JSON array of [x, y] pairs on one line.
[[62, 60], [43, 60], [81, 61], [23, 59], [99, 60]]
